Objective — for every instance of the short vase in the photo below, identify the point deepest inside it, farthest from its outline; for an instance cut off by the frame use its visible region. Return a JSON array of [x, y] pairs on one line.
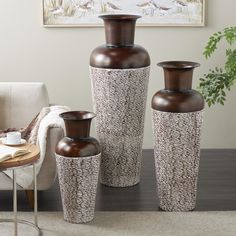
[[78, 164], [177, 113]]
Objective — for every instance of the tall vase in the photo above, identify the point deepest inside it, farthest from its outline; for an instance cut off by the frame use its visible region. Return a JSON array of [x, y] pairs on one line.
[[119, 72], [177, 114], [78, 163]]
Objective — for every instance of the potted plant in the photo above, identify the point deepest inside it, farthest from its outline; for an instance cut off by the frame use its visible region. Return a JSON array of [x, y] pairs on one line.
[[219, 80]]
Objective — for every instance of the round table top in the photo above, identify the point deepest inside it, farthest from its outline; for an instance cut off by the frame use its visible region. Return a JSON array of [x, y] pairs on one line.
[[24, 160]]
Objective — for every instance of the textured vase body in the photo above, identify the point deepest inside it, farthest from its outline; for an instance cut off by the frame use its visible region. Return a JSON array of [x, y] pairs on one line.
[[119, 74], [177, 114], [78, 163]]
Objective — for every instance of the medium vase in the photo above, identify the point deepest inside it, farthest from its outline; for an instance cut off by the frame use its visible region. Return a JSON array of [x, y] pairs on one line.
[[78, 164], [119, 71], [177, 113]]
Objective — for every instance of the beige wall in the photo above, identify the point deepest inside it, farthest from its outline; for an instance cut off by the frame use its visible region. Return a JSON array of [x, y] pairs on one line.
[[59, 57]]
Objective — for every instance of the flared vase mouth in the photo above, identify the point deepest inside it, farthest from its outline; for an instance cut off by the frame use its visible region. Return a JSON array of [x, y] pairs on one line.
[[119, 17], [178, 64], [77, 115]]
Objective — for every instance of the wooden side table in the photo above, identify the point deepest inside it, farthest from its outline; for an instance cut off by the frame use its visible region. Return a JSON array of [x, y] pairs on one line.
[[20, 162]]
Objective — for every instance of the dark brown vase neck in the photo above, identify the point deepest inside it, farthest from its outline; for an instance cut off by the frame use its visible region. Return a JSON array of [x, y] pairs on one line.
[[178, 79], [178, 96], [178, 74], [77, 123], [119, 29]]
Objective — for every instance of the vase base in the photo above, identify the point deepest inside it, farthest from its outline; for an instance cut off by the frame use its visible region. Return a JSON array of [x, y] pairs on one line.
[[80, 221], [120, 185], [168, 209]]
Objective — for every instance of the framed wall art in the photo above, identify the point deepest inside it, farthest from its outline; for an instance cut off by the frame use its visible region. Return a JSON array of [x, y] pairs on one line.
[[73, 13]]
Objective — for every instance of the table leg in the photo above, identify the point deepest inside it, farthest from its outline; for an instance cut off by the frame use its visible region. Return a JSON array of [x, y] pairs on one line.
[[15, 202], [35, 198]]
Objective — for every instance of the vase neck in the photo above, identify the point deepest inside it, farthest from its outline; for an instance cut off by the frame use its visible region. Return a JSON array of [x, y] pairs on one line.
[[119, 29], [77, 123], [178, 79], [77, 128], [178, 74]]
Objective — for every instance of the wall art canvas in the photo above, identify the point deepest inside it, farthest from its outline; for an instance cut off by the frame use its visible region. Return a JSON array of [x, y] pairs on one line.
[[153, 12]]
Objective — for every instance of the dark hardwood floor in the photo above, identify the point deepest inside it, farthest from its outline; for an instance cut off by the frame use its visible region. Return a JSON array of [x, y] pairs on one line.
[[216, 188]]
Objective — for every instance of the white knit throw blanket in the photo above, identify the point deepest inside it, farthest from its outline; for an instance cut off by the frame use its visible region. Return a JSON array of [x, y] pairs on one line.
[[52, 119]]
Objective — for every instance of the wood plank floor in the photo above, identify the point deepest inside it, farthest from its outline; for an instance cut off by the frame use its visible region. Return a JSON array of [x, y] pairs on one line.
[[216, 188]]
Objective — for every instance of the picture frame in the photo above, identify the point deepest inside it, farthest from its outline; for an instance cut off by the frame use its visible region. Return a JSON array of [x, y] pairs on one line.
[[84, 13]]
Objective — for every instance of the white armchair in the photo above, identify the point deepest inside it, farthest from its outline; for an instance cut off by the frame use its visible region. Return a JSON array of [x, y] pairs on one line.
[[19, 104]]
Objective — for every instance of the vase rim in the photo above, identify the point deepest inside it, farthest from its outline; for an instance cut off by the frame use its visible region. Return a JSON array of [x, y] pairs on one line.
[[119, 17], [77, 115], [178, 64]]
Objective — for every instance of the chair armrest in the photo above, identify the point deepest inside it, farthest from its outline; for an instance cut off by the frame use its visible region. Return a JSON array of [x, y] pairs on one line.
[[48, 173]]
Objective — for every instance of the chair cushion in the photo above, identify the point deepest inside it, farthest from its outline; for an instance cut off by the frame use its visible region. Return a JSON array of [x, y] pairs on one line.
[[30, 132], [20, 103]]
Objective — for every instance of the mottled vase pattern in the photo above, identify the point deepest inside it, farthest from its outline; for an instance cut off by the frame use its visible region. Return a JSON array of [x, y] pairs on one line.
[[177, 155], [119, 102], [78, 178]]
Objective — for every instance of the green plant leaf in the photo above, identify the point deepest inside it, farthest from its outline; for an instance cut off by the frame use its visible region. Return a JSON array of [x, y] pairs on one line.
[[214, 84]]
